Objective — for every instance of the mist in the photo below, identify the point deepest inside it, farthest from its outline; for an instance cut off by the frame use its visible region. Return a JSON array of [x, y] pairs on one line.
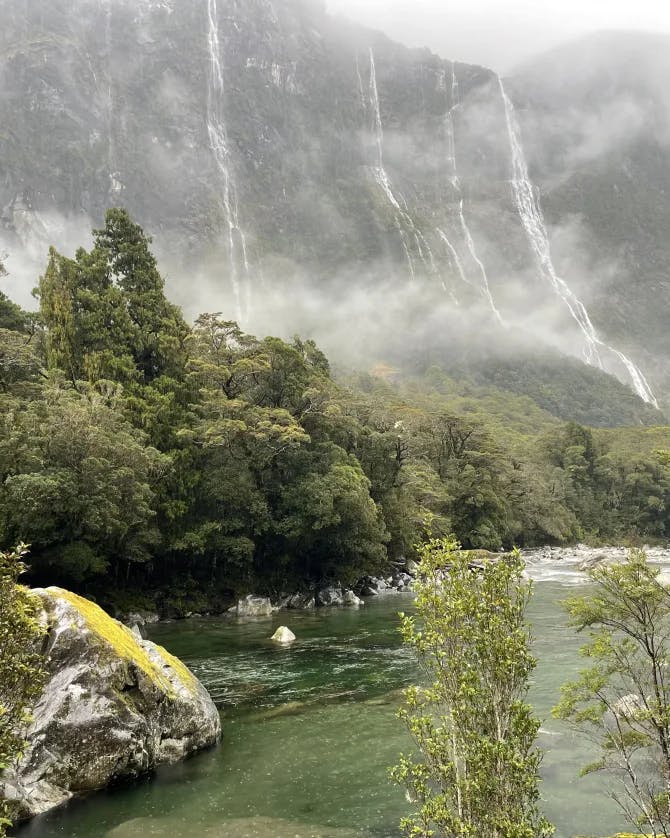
[[374, 212], [496, 34]]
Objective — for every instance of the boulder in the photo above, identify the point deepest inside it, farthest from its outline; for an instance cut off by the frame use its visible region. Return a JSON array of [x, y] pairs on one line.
[[412, 567], [330, 596], [368, 590], [401, 581], [283, 635], [253, 606], [114, 707], [350, 598], [300, 601]]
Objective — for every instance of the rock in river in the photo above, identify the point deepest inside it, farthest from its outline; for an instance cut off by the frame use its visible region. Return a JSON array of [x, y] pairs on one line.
[[350, 598], [329, 596], [114, 707], [253, 606], [283, 635]]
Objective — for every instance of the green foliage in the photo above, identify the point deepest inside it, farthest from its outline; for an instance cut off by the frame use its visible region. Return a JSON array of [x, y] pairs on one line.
[[78, 477], [105, 312], [622, 700], [11, 315], [475, 772], [568, 389], [138, 452], [21, 663]]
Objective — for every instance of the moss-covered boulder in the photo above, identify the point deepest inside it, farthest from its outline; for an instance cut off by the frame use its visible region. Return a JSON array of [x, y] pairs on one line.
[[115, 707]]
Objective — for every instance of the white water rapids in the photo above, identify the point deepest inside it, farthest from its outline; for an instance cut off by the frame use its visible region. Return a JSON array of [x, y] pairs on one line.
[[238, 261], [532, 220]]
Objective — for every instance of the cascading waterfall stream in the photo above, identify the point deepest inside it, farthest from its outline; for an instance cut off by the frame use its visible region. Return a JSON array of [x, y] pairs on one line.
[[361, 94], [218, 139], [473, 252], [532, 220], [112, 173], [403, 222], [456, 183], [454, 255]]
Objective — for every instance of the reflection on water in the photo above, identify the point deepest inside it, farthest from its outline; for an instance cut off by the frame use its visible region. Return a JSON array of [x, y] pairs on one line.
[[310, 732]]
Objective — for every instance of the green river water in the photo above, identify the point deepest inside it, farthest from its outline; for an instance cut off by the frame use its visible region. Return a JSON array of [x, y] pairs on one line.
[[310, 732]]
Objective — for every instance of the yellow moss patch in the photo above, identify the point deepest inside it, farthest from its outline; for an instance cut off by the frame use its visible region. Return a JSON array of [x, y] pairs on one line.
[[124, 643], [183, 672]]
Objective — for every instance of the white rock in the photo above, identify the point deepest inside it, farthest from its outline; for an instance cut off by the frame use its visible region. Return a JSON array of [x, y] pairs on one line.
[[350, 598], [253, 606], [628, 707], [283, 635]]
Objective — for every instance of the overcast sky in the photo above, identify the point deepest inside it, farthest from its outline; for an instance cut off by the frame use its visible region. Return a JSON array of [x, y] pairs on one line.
[[501, 33]]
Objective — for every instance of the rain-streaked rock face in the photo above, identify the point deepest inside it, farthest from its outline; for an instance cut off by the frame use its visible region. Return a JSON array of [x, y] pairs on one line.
[[273, 151], [114, 707]]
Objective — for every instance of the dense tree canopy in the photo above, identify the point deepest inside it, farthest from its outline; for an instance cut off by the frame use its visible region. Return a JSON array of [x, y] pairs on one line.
[[169, 457]]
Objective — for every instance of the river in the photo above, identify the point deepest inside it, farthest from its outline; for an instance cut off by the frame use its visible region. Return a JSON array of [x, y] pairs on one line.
[[310, 732]]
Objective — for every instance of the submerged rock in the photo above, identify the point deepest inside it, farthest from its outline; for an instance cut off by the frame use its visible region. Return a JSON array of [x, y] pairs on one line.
[[283, 635], [114, 707]]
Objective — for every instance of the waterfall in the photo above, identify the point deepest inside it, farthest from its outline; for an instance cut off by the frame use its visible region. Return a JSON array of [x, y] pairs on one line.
[[218, 140], [482, 270], [361, 93], [454, 256], [406, 228], [532, 220], [456, 183], [450, 128], [114, 183]]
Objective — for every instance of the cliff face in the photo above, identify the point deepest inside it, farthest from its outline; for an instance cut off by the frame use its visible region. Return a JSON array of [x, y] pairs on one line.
[[264, 144], [597, 122], [122, 102]]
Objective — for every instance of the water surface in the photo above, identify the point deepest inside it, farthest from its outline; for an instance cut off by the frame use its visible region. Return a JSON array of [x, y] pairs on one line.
[[310, 732]]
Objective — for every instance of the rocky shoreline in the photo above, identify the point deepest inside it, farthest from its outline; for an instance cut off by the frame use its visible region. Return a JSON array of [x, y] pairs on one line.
[[581, 557], [326, 596], [586, 557]]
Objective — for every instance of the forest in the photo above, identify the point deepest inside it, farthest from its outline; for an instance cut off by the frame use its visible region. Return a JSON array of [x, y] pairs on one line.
[[152, 462]]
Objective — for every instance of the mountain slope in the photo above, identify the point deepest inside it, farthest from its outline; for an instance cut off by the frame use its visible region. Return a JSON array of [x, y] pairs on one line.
[[596, 115], [290, 164]]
